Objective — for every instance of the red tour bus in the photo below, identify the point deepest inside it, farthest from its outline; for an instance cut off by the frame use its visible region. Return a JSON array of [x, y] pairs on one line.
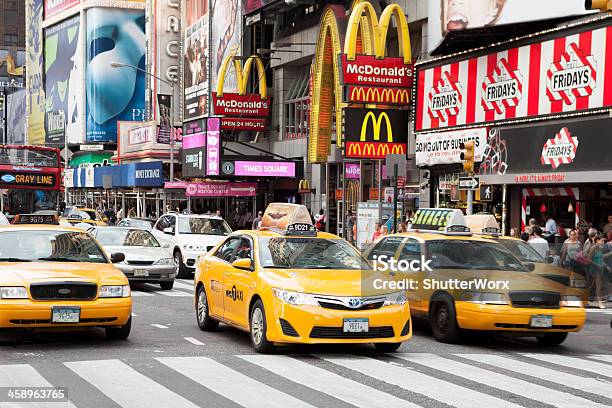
[[30, 178]]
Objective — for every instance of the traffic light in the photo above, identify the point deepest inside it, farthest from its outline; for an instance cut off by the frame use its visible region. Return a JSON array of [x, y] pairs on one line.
[[603, 5], [467, 156]]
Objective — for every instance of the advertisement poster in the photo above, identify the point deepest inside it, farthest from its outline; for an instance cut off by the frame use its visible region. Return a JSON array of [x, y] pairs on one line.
[[460, 15], [63, 88], [16, 117], [558, 76], [114, 94], [2, 117], [164, 103], [35, 101], [196, 59], [53, 7], [225, 19]]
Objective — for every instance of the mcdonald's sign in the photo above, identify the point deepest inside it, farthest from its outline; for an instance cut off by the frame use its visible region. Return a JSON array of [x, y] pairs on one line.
[[304, 187], [375, 133], [386, 96], [242, 104]]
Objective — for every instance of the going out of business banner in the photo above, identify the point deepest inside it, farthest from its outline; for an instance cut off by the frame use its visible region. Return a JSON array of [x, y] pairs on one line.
[[35, 101], [114, 94], [63, 88], [195, 59], [452, 15], [225, 19]]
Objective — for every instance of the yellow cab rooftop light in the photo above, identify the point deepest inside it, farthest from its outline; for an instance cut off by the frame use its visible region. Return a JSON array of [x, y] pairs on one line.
[[288, 219], [440, 220], [483, 224], [48, 219]]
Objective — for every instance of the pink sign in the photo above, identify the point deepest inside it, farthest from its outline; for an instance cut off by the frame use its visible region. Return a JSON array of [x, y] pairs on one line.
[[353, 170], [213, 146], [175, 184], [264, 169], [194, 141], [221, 189]]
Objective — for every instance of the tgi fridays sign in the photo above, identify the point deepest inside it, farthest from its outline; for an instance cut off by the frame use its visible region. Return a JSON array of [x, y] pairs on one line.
[[560, 76], [560, 150], [444, 147]]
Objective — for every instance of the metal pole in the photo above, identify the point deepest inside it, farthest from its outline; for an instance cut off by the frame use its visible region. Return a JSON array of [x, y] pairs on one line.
[[395, 171], [380, 212], [504, 208], [172, 135], [470, 202]]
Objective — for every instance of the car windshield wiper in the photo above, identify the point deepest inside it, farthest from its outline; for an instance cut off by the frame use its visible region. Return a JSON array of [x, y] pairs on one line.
[[9, 259], [59, 259]]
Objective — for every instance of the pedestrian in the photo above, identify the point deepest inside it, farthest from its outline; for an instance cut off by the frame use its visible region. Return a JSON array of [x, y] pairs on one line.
[[218, 213], [598, 269], [120, 214], [538, 243], [551, 228], [377, 232], [607, 229], [514, 233], [320, 220], [131, 212], [384, 230], [402, 227], [350, 221], [590, 241], [570, 248], [257, 220], [525, 236]]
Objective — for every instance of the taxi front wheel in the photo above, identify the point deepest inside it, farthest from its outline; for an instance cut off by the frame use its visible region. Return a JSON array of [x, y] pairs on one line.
[[552, 339], [205, 322], [119, 333], [443, 320], [259, 329]]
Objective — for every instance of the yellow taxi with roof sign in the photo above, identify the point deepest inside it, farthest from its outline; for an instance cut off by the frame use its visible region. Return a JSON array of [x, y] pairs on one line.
[[59, 278], [287, 283], [474, 283]]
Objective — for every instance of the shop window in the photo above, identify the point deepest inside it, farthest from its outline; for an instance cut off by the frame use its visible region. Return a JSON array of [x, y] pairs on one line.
[[297, 106], [11, 40]]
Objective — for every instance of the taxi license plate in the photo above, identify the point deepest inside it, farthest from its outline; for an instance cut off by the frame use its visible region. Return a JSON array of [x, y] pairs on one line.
[[541, 321], [356, 326], [141, 273], [65, 315]]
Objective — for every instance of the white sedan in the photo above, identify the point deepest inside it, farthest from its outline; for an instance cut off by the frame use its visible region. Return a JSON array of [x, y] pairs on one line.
[[146, 260]]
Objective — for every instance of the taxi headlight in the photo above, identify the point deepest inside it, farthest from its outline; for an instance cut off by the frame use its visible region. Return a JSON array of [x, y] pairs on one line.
[[164, 261], [294, 298], [193, 247], [398, 298], [13, 292], [571, 301], [485, 298], [114, 291]]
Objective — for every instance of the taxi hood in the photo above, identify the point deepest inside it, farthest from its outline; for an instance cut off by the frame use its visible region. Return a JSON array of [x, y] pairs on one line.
[[23, 273]]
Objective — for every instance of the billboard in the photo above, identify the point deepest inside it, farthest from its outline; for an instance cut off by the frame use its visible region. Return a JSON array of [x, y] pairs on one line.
[[53, 7], [63, 88], [16, 117], [375, 133], [195, 59], [35, 101], [559, 76], [226, 20], [452, 15], [114, 94], [445, 147]]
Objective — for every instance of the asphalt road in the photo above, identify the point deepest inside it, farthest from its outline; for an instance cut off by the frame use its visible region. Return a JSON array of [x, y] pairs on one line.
[[168, 362]]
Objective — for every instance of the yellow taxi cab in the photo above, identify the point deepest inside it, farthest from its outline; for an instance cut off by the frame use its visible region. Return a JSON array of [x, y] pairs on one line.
[[486, 226], [59, 278], [473, 283], [287, 283], [82, 215]]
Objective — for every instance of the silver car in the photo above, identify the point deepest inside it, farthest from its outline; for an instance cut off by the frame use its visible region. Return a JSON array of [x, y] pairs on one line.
[[146, 260]]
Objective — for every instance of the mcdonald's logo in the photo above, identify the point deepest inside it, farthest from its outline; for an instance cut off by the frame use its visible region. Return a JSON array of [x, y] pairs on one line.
[[304, 187], [240, 103], [387, 96], [375, 133]]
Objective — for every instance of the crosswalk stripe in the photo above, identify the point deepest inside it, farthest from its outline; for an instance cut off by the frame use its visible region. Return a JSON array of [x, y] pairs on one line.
[[500, 381], [327, 382], [24, 375], [585, 384], [138, 294], [126, 386], [414, 381], [573, 362], [602, 357], [231, 384], [175, 293], [183, 285]]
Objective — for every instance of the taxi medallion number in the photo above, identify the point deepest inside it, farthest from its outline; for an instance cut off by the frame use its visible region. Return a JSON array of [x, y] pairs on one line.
[[63, 314], [356, 326], [541, 321], [141, 273]]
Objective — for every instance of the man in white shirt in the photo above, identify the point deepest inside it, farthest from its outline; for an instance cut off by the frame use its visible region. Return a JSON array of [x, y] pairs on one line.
[[538, 243], [551, 226]]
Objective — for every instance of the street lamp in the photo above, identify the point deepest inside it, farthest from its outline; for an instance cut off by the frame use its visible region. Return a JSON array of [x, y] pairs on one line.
[[171, 84]]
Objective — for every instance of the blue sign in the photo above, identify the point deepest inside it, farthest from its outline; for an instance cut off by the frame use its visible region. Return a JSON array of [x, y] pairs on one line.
[[147, 175], [8, 178]]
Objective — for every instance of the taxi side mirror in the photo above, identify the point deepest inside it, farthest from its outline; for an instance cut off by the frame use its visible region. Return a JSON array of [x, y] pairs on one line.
[[530, 266], [244, 264], [117, 257]]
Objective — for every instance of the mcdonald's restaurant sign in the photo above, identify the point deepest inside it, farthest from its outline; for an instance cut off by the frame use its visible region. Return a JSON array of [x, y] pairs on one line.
[[375, 133], [368, 70], [237, 106], [304, 187], [377, 95]]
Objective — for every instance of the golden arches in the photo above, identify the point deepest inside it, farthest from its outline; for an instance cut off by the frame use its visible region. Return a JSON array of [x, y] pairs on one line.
[[242, 74]]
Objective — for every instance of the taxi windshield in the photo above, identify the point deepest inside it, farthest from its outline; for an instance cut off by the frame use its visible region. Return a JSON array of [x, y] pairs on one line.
[[126, 237], [202, 226], [522, 250], [309, 253], [41, 245], [469, 254]]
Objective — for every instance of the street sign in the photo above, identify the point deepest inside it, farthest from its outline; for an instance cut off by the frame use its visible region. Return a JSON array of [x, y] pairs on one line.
[[469, 183], [486, 192], [391, 160]]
